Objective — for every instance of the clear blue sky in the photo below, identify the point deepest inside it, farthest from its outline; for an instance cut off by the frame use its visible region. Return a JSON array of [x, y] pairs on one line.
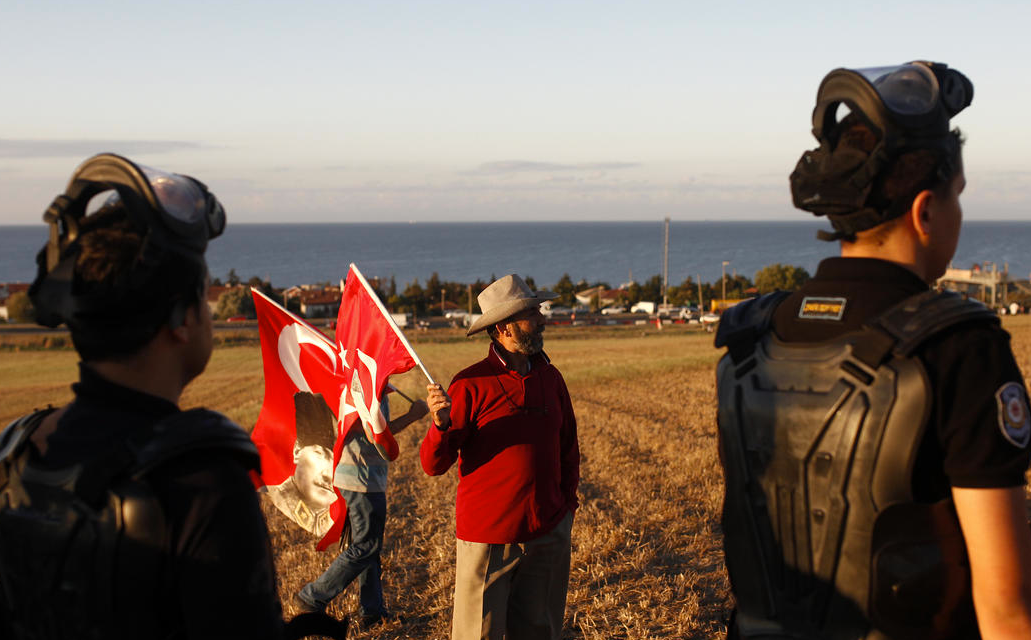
[[389, 110]]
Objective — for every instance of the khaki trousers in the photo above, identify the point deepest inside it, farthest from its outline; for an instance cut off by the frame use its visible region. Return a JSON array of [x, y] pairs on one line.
[[514, 591]]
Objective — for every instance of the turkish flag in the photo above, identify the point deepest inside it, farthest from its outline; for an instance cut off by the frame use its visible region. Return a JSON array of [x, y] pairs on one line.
[[372, 350], [350, 375], [295, 357]]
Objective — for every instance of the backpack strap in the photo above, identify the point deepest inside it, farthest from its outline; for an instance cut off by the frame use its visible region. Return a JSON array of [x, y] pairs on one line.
[[742, 325], [195, 430], [145, 449]]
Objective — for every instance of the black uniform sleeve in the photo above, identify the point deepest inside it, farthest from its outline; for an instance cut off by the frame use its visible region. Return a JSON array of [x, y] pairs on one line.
[[222, 570], [973, 374]]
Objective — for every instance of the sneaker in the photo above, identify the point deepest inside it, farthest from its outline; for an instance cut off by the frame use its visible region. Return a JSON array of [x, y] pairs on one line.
[[368, 620], [306, 607]]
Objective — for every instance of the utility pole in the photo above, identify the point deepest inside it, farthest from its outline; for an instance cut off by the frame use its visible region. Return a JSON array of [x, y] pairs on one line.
[[665, 265], [701, 303], [725, 263], [441, 302]]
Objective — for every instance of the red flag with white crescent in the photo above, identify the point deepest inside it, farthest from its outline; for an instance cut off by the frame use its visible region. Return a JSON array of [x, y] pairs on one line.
[[350, 375], [298, 360], [295, 357], [372, 351]]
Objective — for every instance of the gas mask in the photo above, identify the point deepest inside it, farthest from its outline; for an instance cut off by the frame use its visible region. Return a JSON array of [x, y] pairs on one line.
[[906, 107]]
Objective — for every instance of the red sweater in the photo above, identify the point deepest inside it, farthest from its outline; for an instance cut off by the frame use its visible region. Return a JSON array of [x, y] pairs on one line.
[[514, 438]]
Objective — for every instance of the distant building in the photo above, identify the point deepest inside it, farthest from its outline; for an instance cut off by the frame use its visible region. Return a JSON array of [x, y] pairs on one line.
[[320, 303], [605, 297], [214, 291], [6, 290], [986, 283]]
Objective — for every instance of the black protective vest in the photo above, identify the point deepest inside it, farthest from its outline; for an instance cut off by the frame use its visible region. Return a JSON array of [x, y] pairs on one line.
[[84, 550], [822, 536]]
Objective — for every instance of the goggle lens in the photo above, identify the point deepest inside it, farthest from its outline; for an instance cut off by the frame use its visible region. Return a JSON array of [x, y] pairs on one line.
[[184, 200], [179, 196], [910, 89]]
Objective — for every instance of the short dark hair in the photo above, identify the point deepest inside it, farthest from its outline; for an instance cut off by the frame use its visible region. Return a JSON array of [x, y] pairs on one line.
[[130, 298]]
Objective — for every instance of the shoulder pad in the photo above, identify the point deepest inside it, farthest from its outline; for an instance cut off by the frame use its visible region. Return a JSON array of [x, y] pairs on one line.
[[741, 325], [195, 430], [19, 430], [919, 317]]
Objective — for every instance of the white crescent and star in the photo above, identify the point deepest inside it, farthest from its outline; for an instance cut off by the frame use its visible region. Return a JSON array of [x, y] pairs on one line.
[[289, 347]]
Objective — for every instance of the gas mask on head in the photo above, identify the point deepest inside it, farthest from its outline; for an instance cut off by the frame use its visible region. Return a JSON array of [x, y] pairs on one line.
[[175, 216], [906, 107]]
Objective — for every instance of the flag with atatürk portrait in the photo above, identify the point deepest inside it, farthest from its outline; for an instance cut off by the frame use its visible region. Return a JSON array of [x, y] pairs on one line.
[[295, 357], [349, 373], [302, 370]]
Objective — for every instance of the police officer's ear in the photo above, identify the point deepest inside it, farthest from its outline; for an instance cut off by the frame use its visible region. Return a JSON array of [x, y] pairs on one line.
[[920, 215], [181, 320]]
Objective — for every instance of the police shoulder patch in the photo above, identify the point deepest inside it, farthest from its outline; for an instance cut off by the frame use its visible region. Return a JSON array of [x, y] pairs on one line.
[[1014, 418], [818, 308]]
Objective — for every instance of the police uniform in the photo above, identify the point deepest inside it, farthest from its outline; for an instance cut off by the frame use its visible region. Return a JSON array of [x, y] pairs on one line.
[[852, 534], [978, 431], [167, 539]]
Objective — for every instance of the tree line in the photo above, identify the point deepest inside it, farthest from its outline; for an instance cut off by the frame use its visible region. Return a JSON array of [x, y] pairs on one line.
[[435, 296]]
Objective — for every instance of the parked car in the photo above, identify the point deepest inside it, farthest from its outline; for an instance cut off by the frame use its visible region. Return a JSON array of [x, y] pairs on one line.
[[611, 311], [689, 313], [710, 318], [557, 311]]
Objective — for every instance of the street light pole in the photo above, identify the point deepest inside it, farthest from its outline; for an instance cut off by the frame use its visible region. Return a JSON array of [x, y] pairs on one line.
[[725, 263]]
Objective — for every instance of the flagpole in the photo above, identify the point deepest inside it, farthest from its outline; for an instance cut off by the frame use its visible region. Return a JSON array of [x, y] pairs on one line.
[[393, 325]]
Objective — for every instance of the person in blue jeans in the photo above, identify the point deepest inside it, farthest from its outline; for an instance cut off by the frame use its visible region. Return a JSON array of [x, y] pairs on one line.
[[361, 477]]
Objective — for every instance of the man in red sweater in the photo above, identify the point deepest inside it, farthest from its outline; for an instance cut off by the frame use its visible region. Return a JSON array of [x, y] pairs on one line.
[[509, 423]]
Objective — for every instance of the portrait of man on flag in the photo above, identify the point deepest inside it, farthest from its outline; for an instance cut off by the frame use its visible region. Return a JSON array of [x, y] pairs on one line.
[[306, 496]]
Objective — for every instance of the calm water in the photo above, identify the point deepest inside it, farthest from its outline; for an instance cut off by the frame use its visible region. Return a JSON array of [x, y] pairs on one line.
[[462, 252]]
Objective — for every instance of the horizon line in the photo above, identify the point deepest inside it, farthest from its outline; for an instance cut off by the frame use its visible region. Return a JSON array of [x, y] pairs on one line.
[[536, 221]]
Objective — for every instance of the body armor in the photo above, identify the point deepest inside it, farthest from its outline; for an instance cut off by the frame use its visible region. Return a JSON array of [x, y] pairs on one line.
[[823, 538], [85, 550]]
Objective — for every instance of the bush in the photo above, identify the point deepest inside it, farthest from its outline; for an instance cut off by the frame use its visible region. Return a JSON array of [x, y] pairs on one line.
[[235, 302], [19, 308], [780, 277]]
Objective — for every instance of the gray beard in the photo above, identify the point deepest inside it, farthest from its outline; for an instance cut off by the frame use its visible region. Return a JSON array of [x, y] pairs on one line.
[[528, 344]]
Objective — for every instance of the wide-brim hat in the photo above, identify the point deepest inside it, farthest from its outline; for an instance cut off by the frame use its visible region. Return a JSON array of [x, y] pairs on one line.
[[504, 298]]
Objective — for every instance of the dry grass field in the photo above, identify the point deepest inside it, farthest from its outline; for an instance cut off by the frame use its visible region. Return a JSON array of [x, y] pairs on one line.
[[647, 561]]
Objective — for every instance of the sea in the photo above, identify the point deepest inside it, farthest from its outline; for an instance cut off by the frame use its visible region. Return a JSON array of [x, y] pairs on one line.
[[596, 252]]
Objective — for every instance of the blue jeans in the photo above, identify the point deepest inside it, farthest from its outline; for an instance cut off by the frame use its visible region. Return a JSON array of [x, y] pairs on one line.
[[367, 514]]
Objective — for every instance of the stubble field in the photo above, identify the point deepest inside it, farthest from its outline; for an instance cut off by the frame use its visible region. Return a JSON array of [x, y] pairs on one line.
[[647, 560]]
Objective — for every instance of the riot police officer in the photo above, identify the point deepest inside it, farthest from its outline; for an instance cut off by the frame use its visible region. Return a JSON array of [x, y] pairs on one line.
[[122, 516], [874, 432]]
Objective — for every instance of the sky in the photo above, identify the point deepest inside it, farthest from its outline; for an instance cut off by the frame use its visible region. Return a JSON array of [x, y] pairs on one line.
[[348, 111]]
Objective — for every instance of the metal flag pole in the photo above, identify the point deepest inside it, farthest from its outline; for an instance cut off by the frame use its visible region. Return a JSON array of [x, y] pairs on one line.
[[390, 320]]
